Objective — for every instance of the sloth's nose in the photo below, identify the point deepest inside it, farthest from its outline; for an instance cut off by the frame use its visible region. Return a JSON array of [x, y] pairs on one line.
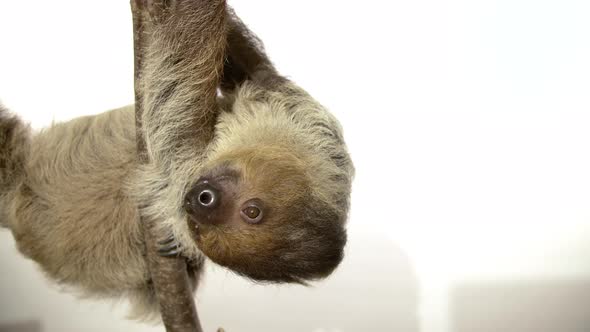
[[202, 200]]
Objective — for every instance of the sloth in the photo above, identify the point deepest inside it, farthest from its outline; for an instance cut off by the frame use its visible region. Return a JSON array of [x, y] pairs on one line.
[[245, 169]]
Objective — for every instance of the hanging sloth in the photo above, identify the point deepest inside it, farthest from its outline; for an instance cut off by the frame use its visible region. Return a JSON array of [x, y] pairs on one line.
[[245, 169]]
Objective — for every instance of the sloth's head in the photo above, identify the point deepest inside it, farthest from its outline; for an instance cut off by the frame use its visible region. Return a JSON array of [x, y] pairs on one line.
[[269, 205]]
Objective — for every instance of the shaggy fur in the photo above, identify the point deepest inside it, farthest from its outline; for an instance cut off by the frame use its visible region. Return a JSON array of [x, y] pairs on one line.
[[14, 145], [70, 193]]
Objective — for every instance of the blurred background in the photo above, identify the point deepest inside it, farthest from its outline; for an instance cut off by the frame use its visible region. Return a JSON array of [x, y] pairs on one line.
[[468, 122]]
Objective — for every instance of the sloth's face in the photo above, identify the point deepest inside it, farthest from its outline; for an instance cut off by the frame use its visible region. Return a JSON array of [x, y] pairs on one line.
[[254, 212]]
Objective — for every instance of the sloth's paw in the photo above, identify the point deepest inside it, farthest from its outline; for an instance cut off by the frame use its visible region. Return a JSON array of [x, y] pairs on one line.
[[169, 247]]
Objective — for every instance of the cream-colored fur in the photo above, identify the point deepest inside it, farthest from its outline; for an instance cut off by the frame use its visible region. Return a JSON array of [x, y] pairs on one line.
[[74, 208], [70, 194]]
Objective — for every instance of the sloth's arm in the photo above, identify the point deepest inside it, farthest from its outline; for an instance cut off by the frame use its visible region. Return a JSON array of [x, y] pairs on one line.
[[181, 71], [245, 58]]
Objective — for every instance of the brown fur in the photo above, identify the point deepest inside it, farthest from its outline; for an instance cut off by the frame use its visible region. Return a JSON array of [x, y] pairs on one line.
[[70, 194]]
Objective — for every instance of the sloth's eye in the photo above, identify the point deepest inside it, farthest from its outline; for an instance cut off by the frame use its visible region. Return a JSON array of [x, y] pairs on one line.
[[251, 212]]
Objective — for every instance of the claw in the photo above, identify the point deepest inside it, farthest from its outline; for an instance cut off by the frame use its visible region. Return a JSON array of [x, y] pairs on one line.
[[169, 247], [166, 240], [175, 252]]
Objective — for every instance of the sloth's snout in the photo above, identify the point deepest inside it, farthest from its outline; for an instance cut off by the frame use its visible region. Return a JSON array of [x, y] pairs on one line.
[[202, 200]]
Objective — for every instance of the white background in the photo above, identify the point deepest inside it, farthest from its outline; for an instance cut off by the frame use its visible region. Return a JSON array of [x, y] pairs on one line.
[[469, 125]]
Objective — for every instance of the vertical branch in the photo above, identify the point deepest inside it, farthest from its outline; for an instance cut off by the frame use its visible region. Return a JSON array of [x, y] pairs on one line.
[[168, 274]]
